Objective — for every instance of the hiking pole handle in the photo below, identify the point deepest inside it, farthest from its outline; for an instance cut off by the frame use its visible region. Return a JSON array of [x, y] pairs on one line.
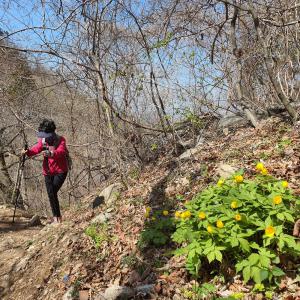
[[24, 155]]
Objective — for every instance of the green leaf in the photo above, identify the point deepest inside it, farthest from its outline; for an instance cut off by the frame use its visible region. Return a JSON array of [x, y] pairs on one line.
[[246, 273], [253, 259], [211, 256], [280, 216], [240, 265], [280, 244], [264, 261], [289, 217], [264, 274], [277, 272], [218, 255], [255, 272], [244, 244], [254, 245]]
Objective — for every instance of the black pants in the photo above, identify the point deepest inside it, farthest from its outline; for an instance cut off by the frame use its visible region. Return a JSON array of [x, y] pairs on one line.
[[53, 184]]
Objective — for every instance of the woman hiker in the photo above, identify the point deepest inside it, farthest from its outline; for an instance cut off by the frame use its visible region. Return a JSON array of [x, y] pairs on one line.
[[55, 164]]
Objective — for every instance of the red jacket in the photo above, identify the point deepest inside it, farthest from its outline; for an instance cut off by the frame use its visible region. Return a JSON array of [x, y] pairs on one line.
[[57, 161]]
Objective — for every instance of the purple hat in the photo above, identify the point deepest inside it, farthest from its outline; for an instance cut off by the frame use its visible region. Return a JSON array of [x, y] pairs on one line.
[[43, 134]]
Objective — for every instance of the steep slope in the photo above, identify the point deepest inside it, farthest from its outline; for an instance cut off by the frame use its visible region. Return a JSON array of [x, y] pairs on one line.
[[78, 257]]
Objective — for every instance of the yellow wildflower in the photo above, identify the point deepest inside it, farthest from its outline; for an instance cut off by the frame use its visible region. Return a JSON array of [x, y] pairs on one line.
[[165, 212], [186, 214], [177, 214], [202, 215], [277, 199], [260, 166], [220, 182], [285, 184], [270, 231], [210, 229], [239, 178], [234, 204], [153, 219], [148, 211], [264, 171], [238, 217], [220, 224]]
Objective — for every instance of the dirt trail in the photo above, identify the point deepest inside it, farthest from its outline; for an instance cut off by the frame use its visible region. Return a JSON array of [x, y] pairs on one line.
[[15, 239]]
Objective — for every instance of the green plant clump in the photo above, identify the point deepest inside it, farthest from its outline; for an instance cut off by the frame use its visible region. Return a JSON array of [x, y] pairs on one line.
[[98, 233], [157, 231], [245, 223]]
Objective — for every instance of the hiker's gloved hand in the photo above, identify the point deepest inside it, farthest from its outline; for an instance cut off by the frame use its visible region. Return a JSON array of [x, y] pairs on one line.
[[47, 153], [23, 152]]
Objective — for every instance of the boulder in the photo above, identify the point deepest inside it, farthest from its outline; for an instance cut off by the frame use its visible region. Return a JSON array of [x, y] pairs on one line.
[[232, 121], [189, 153], [225, 170], [117, 292], [111, 193]]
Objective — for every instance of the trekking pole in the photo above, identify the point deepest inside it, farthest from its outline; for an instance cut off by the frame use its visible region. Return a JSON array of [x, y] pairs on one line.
[[16, 192]]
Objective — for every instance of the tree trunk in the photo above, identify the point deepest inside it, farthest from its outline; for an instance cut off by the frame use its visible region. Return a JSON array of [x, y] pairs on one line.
[[268, 64], [251, 116], [6, 183]]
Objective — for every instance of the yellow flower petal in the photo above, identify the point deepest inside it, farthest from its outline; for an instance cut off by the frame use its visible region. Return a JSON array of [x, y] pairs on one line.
[[209, 229], [202, 215], [270, 231], [239, 178], [277, 199], [233, 204], [165, 212], [186, 214], [220, 224], [264, 171], [260, 166], [238, 217], [177, 214], [285, 184], [220, 182]]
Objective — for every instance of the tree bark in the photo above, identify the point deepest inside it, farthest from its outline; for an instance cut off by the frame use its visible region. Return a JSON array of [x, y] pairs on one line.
[[251, 116], [268, 64]]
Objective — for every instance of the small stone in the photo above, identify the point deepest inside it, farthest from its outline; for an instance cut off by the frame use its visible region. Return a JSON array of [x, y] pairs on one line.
[[176, 297], [225, 170], [35, 221], [144, 289], [189, 153], [84, 295], [101, 218], [118, 292]]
